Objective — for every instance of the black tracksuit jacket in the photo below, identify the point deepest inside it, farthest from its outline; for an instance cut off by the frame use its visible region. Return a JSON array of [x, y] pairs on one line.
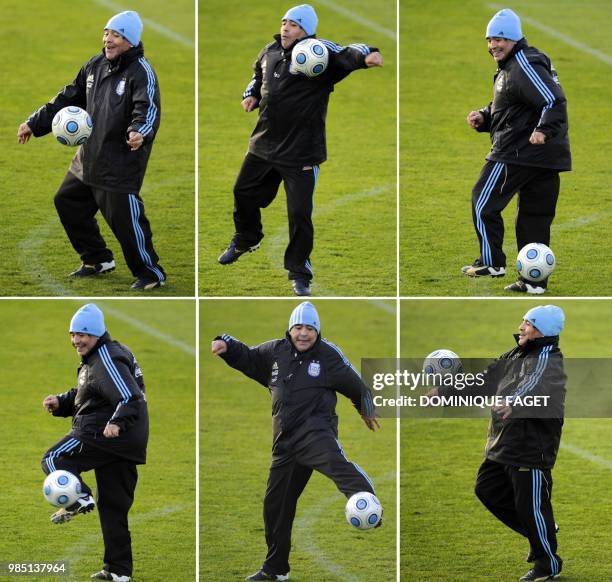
[[290, 129], [303, 385], [110, 389], [527, 97], [120, 96]]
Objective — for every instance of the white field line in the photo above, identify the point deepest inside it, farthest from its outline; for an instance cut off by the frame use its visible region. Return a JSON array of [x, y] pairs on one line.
[[74, 553], [305, 539], [362, 20], [583, 454], [163, 30], [579, 222], [562, 37]]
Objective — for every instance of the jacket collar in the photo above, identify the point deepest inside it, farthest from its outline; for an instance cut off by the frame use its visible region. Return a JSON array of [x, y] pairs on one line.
[[519, 46], [294, 349], [287, 51], [537, 343], [124, 59]]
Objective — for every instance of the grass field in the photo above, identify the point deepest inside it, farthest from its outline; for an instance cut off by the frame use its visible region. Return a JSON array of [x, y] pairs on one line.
[[445, 532], [38, 360], [61, 36], [445, 73], [354, 214], [236, 442]]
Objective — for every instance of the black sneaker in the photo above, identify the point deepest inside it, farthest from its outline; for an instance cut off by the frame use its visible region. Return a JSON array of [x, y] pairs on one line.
[[83, 504], [479, 269], [263, 575], [301, 287], [521, 286], [106, 575], [97, 269], [147, 283], [535, 576], [232, 253]]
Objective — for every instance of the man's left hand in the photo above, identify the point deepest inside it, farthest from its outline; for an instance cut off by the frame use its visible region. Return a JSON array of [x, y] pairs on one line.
[[111, 431], [135, 140], [537, 138], [374, 60], [371, 422], [503, 412]]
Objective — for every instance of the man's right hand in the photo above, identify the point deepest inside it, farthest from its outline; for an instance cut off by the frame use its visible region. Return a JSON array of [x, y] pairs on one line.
[[51, 403], [249, 103], [475, 119], [218, 347], [24, 133]]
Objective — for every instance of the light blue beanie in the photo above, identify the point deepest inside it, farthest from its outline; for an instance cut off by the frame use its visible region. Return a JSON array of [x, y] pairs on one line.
[[305, 314], [89, 319], [128, 25], [549, 319], [305, 16], [505, 24]]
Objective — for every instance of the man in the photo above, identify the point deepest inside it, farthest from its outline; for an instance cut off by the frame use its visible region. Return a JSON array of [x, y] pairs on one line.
[[527, 121], [303, 372], [119, 90], [288, 142], [110, 430], [514, 482]]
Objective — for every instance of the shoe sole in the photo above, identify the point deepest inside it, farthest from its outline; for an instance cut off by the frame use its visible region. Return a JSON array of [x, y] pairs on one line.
[[64, 517], [76, 276], [249, 250], [149, 286], [477, 275]]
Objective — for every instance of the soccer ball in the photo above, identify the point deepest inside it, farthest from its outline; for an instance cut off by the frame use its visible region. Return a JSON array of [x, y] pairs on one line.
[[309, 57], [535, 262], [442, 362], [72, 126], [363, 510], [61, 488]]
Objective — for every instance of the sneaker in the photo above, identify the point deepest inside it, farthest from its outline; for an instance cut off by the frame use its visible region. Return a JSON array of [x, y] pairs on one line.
[[521, 286], [147, 283], [479, 269], [105, 575], [97, 269], [534, 576], [263, 575], [301, 287], [232, 253], [83, 504]]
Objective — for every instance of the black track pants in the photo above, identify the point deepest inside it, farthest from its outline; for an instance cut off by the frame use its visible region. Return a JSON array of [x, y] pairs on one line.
[[521, 498], [77, 205], [538, 190], [287, 478], [256, 187]]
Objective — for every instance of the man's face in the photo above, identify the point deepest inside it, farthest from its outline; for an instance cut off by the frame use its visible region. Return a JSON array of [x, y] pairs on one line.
[[528, 332], [114, 44], [290, 32], [303, 337], [499, 48], [83, 342]]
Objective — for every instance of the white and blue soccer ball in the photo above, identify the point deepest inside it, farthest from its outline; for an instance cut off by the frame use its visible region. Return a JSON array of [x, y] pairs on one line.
[[442, 362], [72, 126], [363, 510], [535, 262], [62, 488], [309, 57]]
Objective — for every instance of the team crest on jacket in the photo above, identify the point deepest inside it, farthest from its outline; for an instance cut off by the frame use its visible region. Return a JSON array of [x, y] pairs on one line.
[[120, 88], [314, 369], [90, 82], [83, 376]]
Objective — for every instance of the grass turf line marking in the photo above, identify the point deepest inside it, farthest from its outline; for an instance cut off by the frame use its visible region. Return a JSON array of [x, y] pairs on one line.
[[163, 30], [306, 542], [562, 37], [358, 19], [574, 450]]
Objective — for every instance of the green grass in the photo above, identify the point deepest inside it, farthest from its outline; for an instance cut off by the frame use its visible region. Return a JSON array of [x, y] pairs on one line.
[[36, 254], [236, 443], [39, 360], [446, 74], [354, 214], [445, 532]]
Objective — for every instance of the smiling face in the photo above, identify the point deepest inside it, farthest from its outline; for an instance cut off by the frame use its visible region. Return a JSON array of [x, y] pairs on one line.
[[303, 337], [499, 48], [528, 332], [83, 342], [290, 32], [114, 44]]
